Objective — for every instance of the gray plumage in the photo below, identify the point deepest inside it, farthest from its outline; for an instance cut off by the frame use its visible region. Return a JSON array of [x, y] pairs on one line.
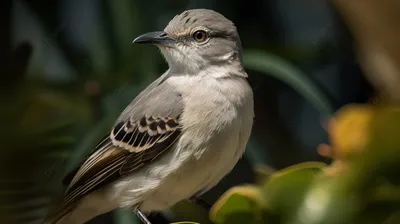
[[161, 100], [180, 135]]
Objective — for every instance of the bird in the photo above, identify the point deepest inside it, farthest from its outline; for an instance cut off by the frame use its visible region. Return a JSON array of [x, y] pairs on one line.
[[178, 137]]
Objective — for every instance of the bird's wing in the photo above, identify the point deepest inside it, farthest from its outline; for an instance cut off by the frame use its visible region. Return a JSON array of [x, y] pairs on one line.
[[146, 129]]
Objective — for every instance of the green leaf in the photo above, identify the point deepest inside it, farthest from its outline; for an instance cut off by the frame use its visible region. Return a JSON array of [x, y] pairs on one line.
[[285, 189], [291, 75], [241, 204], [328, 201]]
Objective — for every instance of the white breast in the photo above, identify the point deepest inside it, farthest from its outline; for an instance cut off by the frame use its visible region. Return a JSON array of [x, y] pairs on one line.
[[216, 123]]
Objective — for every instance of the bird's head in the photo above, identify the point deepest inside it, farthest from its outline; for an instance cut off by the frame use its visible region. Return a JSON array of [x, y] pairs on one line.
[[197, 40]]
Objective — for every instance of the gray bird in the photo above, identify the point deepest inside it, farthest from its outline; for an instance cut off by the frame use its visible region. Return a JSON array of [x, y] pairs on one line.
[[177, 138]]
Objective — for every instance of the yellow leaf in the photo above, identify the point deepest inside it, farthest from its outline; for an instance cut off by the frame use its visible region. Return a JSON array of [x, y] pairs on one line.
[[349, 130]]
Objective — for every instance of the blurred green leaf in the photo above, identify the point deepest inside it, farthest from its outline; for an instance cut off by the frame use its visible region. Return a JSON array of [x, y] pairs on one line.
[[329, 201], [286, 188], [241, 204], [291, 75]]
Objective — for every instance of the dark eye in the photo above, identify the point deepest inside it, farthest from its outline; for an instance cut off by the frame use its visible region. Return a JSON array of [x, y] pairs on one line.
[[200, 36]]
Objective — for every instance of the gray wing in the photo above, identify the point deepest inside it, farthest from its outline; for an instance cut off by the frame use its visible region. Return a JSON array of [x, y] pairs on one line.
[[145, 129]]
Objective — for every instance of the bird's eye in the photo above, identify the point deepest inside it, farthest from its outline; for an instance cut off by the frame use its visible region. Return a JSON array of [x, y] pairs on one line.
[[200, 36]]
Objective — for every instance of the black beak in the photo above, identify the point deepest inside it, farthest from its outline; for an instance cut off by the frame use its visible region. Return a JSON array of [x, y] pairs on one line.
[[156, 38]]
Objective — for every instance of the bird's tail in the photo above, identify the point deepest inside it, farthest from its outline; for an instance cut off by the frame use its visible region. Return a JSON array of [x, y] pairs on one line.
[[76, 216], [80, 212], [55, 216]]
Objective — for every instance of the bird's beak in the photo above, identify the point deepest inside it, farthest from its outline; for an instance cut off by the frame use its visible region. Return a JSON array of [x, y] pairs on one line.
[[155, 38]]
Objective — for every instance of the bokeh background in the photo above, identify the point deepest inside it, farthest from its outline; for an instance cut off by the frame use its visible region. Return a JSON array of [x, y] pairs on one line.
[[70, 68]]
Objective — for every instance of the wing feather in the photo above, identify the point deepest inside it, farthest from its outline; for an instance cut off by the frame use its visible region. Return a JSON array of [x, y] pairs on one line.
[[147, 128]]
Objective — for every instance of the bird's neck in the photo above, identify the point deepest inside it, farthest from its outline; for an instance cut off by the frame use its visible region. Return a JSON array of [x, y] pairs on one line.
[[218, 66], [215, 70], [224, 71]]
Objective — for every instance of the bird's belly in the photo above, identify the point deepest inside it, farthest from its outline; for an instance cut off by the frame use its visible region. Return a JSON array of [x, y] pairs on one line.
[[196, 173]]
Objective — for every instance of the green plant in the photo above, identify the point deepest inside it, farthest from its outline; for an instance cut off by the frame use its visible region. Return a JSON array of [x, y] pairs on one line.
[[35, 136], [364, 190]]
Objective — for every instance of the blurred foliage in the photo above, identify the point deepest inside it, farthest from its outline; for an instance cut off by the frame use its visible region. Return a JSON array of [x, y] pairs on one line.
[[282, 70], [364, 189], [272, 200], [38, 124]]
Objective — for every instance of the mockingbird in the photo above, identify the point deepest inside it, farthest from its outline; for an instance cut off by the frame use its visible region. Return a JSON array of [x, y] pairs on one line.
[[177, 138]]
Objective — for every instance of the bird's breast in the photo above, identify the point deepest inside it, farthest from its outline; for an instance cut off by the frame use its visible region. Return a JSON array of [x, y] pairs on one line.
[[212, 107], [215, 111]]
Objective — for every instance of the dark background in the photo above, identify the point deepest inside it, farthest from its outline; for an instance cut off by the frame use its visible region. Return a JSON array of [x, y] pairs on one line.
[[69, 69]]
